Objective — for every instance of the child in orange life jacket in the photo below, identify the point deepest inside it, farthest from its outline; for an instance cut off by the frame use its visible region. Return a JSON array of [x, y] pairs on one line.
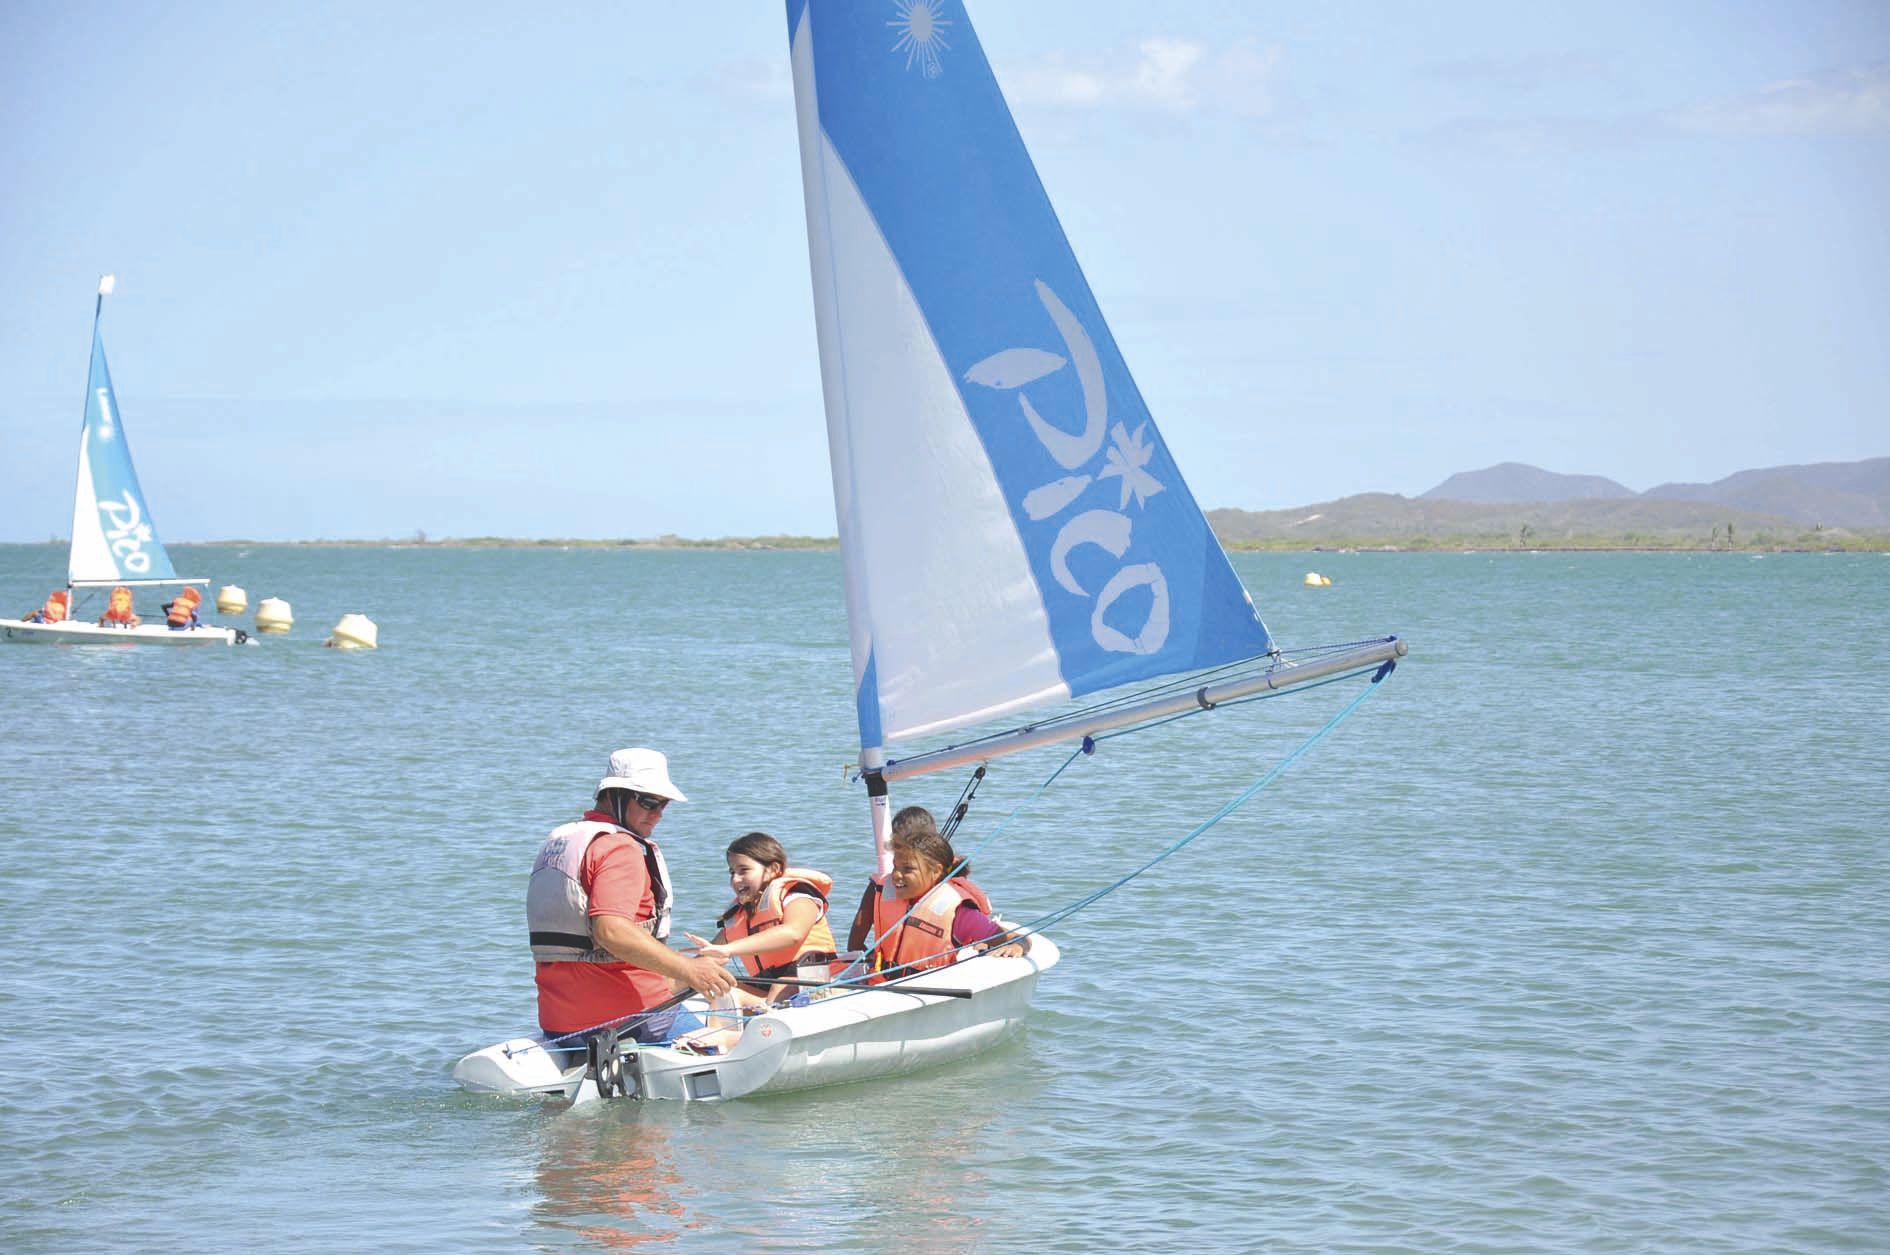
[[181, 615], [58, 605], [931, 917], [777, 925], [118, 612], [909, 820]]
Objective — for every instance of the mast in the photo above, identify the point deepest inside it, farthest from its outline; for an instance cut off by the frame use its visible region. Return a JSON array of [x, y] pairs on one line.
[[106, 285]]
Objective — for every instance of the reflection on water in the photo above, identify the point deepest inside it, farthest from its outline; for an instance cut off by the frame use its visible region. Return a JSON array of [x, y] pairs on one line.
[[900, 1163], [608, 1177]]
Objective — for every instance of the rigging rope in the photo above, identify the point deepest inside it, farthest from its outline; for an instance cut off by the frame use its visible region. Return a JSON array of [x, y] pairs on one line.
[[1239, 800]]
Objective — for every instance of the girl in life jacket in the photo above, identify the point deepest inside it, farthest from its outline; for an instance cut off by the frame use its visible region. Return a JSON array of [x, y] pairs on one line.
[[909, 819], [933, 915], [181, 615], [777, 925], [118, 611], [57, 606]]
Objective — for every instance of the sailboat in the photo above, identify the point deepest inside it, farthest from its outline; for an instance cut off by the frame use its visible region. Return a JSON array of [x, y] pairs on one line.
[[114, 540], [1014, 533]]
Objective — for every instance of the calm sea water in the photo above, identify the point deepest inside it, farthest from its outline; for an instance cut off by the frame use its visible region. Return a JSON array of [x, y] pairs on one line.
[[1576, 937]]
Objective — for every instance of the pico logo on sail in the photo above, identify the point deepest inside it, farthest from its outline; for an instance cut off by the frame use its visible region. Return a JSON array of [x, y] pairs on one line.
[[1126, 460], [994, 462], [127, 533], [113, 536]]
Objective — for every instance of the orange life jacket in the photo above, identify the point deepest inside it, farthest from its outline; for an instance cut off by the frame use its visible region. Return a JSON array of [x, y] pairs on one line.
[[771, 909], [119, 610], [924, 940], [56, 607], [179, 613]]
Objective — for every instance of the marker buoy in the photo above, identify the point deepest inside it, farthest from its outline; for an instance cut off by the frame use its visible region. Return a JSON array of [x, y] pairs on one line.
[[273, 616], [355, 631], [231, 600], [1316, 580]]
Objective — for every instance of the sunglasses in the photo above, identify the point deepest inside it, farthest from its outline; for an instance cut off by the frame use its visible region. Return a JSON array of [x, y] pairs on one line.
[[649, 802]]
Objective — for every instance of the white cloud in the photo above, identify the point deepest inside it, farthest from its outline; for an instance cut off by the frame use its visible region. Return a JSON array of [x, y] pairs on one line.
[[755, 82], [1161, 74], [1844, 102], [1524, 75]]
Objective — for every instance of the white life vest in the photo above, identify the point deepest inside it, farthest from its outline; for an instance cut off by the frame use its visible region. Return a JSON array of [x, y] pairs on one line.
[[557, 909]]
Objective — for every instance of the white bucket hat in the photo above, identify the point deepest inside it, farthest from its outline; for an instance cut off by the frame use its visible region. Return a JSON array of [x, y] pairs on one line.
[[641, 771]]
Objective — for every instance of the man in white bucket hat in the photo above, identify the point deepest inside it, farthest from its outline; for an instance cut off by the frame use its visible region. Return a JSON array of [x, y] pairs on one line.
[[598, 907]]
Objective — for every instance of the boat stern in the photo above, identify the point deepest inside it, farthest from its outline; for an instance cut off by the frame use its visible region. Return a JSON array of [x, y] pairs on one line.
[[519, 1066]]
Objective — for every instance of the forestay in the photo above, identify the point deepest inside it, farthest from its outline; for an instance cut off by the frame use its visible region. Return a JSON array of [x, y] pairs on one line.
[[1014, 529]]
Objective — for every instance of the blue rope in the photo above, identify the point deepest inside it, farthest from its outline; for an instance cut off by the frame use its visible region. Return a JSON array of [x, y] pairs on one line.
[[1239, 800]]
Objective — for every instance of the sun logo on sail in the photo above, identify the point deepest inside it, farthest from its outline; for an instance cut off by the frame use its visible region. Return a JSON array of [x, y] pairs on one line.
[[920, 25], [1127, 460]]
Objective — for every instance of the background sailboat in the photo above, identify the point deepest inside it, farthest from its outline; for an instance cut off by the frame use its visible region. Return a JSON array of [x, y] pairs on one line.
[[114, 538], [1013, 529]]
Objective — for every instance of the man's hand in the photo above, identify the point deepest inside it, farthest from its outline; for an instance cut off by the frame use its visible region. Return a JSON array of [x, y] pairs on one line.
[[631, 944], [706, 977]]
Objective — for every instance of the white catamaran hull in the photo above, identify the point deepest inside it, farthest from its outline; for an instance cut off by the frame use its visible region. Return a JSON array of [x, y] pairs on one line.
[[850, 1036], [92, 634]]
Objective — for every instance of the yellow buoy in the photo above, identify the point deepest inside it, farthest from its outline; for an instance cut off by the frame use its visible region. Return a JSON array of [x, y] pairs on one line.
[[273, 617], [231, 600], [1316, 580], [355, 631]]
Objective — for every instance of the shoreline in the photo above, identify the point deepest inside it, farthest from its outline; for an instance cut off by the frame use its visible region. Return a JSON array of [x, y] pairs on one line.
[[1849, 542]]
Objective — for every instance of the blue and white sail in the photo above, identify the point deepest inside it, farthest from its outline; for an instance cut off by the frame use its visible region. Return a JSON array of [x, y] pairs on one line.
[[1014, 530], [113, 538]]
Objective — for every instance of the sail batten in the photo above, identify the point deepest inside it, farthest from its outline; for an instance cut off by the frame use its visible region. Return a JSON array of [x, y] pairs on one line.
[[1014, 530]]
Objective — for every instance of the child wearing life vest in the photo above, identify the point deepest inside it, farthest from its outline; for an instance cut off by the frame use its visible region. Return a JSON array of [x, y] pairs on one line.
[[910, 819], [181, 615], [777, 925], [118, 612], [935, 912], [58, 605]]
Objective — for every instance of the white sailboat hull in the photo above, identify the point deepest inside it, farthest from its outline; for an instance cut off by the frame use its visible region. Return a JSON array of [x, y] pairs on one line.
[[92, 634], [833, 1041]]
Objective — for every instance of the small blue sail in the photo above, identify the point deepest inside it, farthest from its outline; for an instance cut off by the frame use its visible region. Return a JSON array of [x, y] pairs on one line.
[[1014, 529], [113, 538]]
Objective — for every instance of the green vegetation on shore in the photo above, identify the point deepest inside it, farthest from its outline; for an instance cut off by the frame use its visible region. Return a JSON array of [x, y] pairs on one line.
[[1240, 531], [1387, 521], [422, 541], [1829, 540]]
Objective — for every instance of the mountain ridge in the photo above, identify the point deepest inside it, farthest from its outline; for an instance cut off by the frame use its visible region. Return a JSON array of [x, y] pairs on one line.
[[1854, 495]]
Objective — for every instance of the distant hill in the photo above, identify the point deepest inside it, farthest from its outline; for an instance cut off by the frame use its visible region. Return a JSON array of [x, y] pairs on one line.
[[1515, 481], [1836, 494], [1854, 495], [1385, 519]]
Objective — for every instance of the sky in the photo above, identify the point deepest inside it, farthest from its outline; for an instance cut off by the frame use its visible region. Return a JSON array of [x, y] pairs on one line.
[[478, 269]]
